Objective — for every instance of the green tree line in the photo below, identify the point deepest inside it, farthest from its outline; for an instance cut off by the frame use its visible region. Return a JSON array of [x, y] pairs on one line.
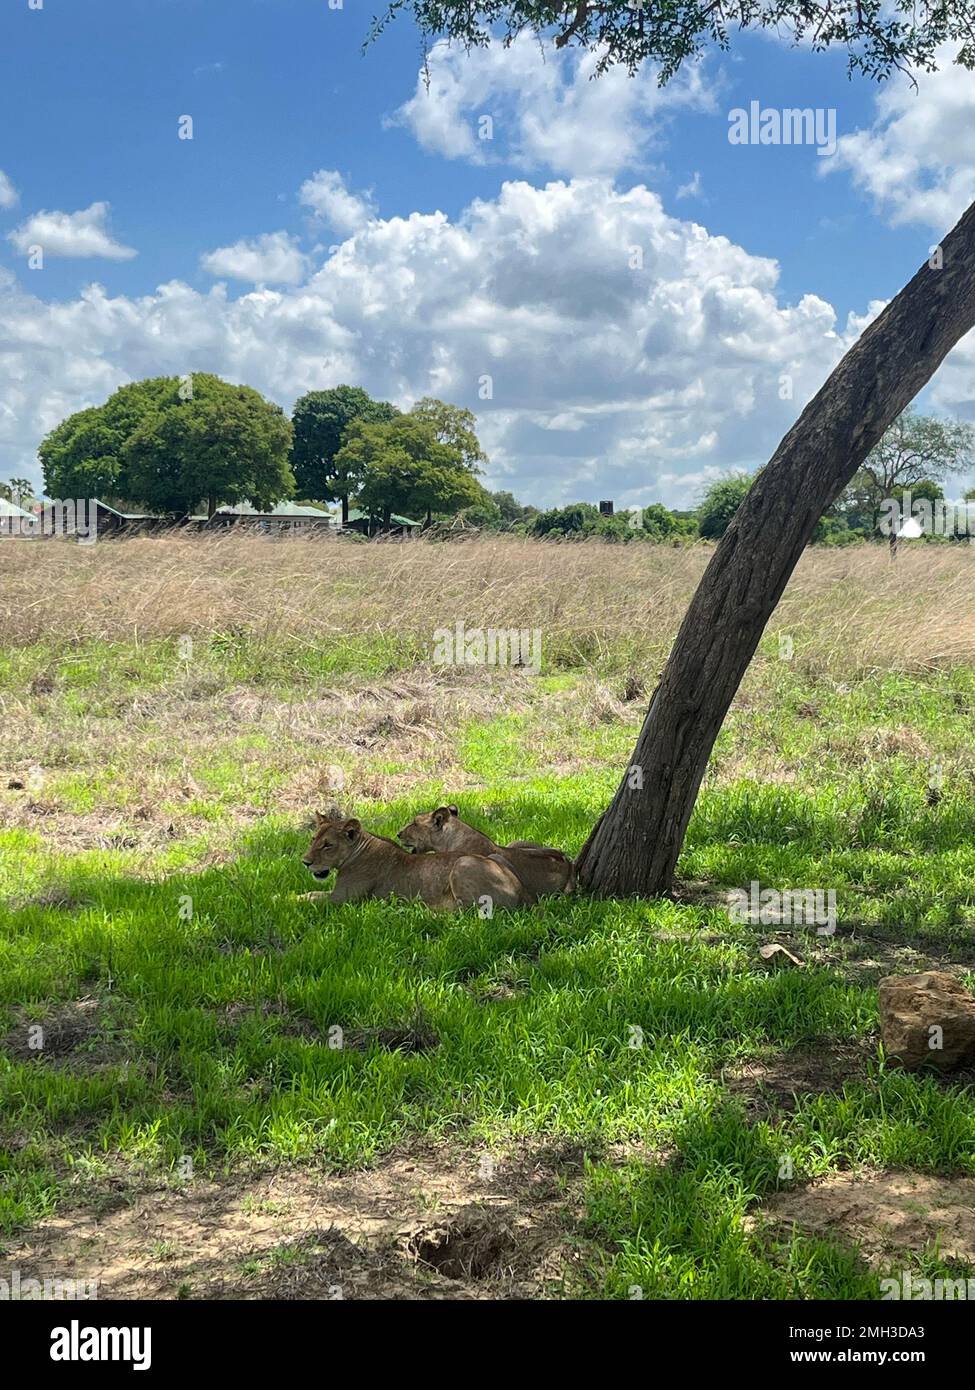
[[173, 445]]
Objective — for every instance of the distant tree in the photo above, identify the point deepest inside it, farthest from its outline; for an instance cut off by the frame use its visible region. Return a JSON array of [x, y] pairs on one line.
[[574, 519], [454, 426], [84, 456], [917, 450], [486, 515], [320, 420], [624, 527], [513, 513], [444, 491], [17, 490], [402, 467], [852, 513], [582, 520], [225, 444], [721, 500], [661, 524]]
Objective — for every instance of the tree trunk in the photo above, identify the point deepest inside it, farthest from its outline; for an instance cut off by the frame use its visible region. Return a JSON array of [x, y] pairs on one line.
[[633, 848], [345, 510], [211, 506]]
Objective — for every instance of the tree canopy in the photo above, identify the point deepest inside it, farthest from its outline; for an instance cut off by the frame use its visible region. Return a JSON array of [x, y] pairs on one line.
[[18, 490], [401, 466], [84, 456], [880, 36], [916, 449], [320, 420], [721, 500], [226, 444], [172, 443], [454, 426]]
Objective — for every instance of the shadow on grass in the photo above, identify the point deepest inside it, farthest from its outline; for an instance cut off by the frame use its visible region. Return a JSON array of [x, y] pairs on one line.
[[230, 1003]]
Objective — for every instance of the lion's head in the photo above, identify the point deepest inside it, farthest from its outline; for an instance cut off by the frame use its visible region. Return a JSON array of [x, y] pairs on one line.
[[334, 840], [429, 831]]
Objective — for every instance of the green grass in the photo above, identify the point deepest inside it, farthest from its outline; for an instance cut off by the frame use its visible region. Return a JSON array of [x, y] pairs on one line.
[[218, 991]]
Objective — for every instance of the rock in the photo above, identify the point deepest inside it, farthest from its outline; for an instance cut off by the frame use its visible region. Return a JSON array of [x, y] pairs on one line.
[[778, 954], [927, 1020]]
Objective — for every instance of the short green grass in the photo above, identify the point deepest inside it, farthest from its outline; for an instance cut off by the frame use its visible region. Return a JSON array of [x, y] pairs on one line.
[[218, 994]]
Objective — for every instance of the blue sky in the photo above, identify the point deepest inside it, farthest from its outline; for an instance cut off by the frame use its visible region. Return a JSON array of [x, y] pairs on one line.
[[606, 380]]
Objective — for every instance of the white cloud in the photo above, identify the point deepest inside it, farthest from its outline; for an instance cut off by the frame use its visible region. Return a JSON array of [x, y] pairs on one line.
[[274, 259], [8, 194], [540, 111], [917, 160], [691, 189], [80, 234], [329, 198], [607, 381]]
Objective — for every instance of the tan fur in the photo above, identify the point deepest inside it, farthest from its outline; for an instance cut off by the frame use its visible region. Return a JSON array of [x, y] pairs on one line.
[[540, 869], [370, 866]]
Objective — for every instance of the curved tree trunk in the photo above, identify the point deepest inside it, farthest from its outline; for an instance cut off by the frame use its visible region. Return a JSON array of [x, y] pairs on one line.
[[634, 846]]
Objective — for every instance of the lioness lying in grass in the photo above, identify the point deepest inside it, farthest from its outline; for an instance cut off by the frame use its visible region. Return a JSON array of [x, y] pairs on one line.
[[370, 866], [542, 870]]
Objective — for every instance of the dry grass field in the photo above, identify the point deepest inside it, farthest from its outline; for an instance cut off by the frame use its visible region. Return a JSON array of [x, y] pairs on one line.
[[854, 610], [173, 709]]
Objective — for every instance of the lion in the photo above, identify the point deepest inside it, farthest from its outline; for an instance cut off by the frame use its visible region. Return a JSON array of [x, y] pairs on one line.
[[370, 866], [542, 870]]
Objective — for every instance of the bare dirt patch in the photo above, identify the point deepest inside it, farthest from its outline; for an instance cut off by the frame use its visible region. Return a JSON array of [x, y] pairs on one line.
[[293, 1025], [416, 1036], [886, 1215], [79, 1033], [57, 897], [776, 1083], [425, 1224]]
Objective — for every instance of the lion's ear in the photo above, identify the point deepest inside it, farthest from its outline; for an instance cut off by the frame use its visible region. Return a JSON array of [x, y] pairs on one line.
[[351, 828], [453, 810], [441, 816]]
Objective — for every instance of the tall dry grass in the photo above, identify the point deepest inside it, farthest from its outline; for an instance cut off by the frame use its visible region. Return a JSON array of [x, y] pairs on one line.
[[849, 611]]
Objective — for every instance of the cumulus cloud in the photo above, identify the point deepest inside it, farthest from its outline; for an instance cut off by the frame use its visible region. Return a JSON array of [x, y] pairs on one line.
[[508, 103], [76, 234], [329, 198], [916, 161], [8, 194], [608, 348], [273, 259]]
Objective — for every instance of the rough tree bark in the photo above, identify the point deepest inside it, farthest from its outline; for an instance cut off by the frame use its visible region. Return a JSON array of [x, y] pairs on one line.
[[634, 846]]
